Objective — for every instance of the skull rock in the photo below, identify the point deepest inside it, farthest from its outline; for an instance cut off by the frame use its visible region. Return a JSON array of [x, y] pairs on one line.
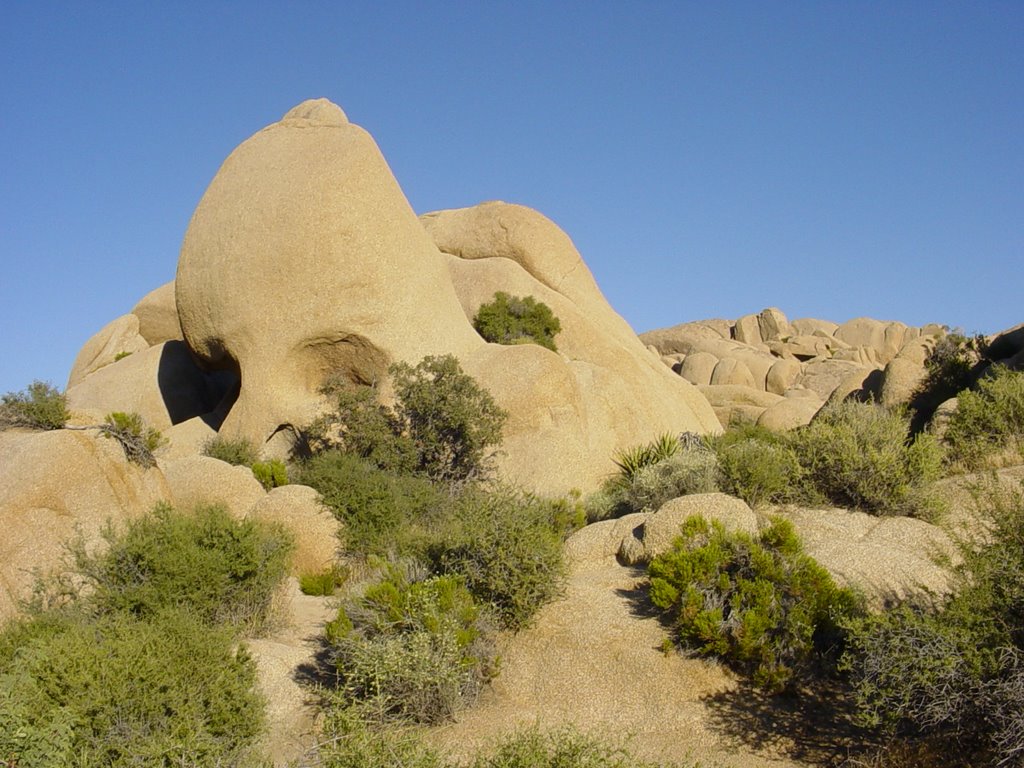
[[303, 259]]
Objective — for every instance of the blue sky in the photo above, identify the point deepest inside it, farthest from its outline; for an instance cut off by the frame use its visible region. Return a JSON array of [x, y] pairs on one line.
[[834, 159]]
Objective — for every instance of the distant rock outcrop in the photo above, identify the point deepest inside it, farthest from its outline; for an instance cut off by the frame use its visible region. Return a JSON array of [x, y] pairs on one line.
[[807, 358]]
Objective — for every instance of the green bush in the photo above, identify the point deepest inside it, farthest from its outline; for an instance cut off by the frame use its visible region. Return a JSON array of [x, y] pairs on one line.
[[508, 548], [760, 603], [323, 583], [136, 438], [632, 460], [760, 471], [224, 570], [988, 419], [271, 474], [951, 367], [39, 406], [361, 426], [352, 737], [120, 691], [412, 649], [453, 422], [562, 748], [443, 425], [239, 452], [857, 455], [514, 320], [383, 513], [956, 668]]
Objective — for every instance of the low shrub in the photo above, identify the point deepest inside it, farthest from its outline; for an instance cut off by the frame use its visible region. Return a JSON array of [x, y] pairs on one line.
[[352, 737], [955, 670], [760, 604], [136, 438], [565, 747], [858, 455], [760, 471], [952, 366], [383, 513], [323, 583], [119, 691], [39, 406], [514, 320], [224, 570], [988, 419], [508, 548], [631, 461], [271, 474], [453, 422], [239, 452], [411, 649], [444, 425]]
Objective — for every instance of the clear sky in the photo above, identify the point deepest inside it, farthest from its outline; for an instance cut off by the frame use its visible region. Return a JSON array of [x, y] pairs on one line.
[[709, 159]]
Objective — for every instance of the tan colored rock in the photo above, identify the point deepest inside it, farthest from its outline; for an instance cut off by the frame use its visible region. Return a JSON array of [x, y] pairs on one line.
[[861, 383], [900, 380], [773, 325], [867, 357], [656, 534], [732, 372], [599, 543], [738, 404], [188, 438], [117, 337], [298, 508], [379, 291], [917, 350], [886, 338], [808, 326], [56, 486], [161, 383], [789, 413], [197, 480], [158, 315], [940, 419], [1007, 344], [781, 376], [886, 557], [698, 367], [686, 338], [825, 376], [747, 330]]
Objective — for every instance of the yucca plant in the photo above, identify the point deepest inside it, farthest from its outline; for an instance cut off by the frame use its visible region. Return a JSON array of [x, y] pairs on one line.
[[631, 460]]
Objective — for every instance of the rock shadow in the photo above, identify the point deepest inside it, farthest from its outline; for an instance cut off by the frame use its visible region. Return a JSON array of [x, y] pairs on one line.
[[813, 725]]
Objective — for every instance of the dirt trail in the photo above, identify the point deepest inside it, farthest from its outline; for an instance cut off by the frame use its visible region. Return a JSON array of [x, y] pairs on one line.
[[594, 658]]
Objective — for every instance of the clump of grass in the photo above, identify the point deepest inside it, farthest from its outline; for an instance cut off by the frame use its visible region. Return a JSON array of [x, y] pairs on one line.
[[238, 452]]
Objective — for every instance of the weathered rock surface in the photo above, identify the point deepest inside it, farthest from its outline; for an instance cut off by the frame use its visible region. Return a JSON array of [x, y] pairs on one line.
[[118, 337], [158, 315], [298, 508], [311, 198], [56, 486], [204, 480]]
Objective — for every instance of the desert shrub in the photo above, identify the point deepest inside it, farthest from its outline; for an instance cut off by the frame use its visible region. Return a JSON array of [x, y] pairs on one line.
[[988, 419], [858, 455], [565, 747], [690, 470], [325, 582], [136, 438], [452, 421], [39, 406], [412, 649], [383, 513], [632, 461], [239, 452], [271, 474], [354, 738], [760, 604], [514, 320], [955, 670], [508, 547], [952, 366], [759, 471], [361, 426], [120, 691], [443, 425], [223, 570]]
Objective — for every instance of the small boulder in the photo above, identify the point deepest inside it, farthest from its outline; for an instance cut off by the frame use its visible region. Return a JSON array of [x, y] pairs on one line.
[[115, 339], [732, 372], [900, 380], [198, 480], [158, 315], [298, 508], [698, 367], [661, 528], [789, 413]]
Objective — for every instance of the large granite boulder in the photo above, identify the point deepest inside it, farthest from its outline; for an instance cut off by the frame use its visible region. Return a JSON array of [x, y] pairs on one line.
[[58, 486], [304, 259], [158, 315]]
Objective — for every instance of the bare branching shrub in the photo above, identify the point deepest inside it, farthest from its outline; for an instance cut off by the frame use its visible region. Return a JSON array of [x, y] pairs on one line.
[[136, 438]]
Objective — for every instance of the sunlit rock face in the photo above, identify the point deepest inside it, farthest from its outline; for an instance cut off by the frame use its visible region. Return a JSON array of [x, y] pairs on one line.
[[304, 259]]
